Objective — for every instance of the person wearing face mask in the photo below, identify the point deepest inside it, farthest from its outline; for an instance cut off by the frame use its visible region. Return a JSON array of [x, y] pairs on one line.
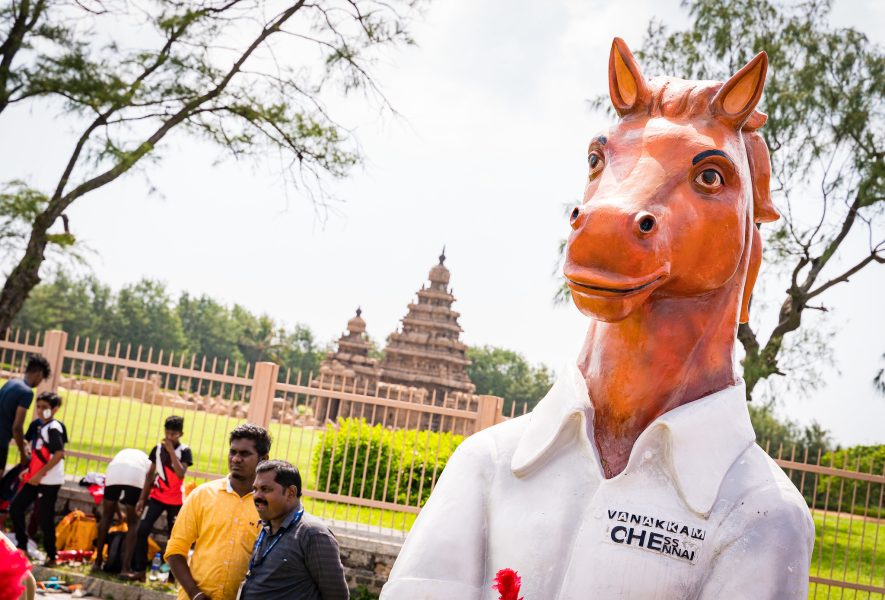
[[45, 474]]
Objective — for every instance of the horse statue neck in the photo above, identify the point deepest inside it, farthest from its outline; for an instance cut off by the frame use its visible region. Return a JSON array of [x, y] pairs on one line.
[[670, 352]]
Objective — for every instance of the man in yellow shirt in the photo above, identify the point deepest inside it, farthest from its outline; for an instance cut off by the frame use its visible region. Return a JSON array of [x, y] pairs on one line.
[[220, 521]]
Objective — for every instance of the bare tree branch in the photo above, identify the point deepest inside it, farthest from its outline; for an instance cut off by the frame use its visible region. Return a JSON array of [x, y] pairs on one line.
[[843, 278]]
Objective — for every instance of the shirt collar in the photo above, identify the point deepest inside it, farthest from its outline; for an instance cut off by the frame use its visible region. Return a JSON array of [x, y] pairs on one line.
[[702, 439], [230, 490]]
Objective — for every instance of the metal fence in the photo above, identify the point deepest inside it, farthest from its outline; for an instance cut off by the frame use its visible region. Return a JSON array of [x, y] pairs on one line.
[[117, 396], [846, 501], [369, 459]]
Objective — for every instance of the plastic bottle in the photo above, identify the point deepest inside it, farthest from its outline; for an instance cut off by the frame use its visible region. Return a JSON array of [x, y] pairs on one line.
[[155, 567]]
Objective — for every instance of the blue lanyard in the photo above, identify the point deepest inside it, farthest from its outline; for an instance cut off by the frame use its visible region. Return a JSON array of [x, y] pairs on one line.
[[275, 538]]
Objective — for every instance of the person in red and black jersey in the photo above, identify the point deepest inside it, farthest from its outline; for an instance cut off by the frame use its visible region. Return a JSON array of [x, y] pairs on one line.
[[45, 474], [163, 490]]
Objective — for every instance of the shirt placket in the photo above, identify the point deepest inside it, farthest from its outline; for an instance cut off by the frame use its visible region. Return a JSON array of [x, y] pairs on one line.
[[240, 528]]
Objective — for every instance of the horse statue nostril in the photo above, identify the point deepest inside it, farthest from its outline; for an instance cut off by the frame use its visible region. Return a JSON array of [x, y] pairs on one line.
[[574, 215], [646, 224]]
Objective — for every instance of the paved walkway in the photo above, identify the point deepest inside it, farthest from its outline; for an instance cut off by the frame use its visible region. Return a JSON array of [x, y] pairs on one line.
[[100, 588]]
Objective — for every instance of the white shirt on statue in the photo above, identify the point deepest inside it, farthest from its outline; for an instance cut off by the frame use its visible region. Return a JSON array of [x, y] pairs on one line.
[[700, 512]]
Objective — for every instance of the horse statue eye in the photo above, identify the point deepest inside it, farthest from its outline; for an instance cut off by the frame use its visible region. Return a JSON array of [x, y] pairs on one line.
[[709, 178], [596, 163]]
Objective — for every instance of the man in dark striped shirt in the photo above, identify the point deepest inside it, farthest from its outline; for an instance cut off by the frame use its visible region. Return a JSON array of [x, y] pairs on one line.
[[295, 555]]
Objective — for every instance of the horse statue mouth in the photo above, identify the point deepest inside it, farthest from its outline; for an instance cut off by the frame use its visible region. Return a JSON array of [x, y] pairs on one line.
[[592, 283]]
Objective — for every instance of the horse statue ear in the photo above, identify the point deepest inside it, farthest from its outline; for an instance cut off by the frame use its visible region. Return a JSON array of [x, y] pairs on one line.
[[626, 86], [736, 100]]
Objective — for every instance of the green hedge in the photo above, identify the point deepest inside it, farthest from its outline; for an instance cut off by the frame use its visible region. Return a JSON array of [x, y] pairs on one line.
[[346, 446], [855, 494]]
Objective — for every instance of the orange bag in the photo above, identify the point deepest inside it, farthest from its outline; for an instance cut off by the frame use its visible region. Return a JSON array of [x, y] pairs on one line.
[[76, 531]]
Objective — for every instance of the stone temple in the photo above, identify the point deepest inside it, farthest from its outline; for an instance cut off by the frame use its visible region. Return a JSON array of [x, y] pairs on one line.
[[424, 361], [427, 352]]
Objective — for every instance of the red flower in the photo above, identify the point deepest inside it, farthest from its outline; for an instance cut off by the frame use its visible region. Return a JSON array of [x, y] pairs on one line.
[[13, 567], [507, 583]]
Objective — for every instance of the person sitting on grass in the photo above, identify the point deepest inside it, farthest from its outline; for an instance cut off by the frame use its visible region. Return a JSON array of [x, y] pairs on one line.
[[45, 474], [163, 491], [124, 480]]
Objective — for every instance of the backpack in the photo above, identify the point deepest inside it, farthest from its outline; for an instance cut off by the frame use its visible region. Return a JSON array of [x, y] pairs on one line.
[[114, 561]]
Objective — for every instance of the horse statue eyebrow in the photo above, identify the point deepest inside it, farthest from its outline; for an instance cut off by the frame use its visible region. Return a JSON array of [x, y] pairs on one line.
[[701, 156]]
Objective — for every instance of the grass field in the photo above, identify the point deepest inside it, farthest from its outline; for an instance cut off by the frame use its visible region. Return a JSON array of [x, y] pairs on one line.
[[102, 425], [845, 549]]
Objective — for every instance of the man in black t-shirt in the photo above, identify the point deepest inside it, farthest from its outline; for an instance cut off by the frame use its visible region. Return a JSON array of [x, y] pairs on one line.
[[16, 397]]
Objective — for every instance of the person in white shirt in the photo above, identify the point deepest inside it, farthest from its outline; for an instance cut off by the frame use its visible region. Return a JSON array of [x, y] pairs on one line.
[[124, 479], [45, 474]]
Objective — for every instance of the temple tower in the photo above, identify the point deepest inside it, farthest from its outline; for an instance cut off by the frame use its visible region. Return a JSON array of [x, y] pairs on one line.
[[351, 358], [349, 368], [427, 352]]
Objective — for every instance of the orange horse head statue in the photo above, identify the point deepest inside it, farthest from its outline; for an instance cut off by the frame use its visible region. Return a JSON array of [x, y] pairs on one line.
[[664, 249], [673, 192]]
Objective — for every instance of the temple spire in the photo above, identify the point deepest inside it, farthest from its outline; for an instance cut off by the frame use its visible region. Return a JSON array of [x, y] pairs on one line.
[[427, 352]]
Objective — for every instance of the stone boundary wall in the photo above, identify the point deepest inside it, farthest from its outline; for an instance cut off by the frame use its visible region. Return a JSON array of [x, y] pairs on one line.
[[367, 557]]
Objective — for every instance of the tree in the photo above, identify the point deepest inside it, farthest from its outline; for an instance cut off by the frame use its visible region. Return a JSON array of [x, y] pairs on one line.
[[218, 69], [824, 97], [299, 351], [209, 328], [81, 307], [879, 379], [786, 438], [259, 339], [505, 373], [144, 316]]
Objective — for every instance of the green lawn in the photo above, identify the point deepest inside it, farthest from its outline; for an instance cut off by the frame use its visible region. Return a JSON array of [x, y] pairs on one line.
[[103, 425], [845, 549]]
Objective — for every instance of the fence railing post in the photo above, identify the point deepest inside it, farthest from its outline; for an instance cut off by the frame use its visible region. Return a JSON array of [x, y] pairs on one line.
[[54, 343], [490, 412], [261, 399]]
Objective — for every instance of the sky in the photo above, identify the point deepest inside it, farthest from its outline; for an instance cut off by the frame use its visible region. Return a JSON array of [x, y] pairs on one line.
[[490, 145]]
